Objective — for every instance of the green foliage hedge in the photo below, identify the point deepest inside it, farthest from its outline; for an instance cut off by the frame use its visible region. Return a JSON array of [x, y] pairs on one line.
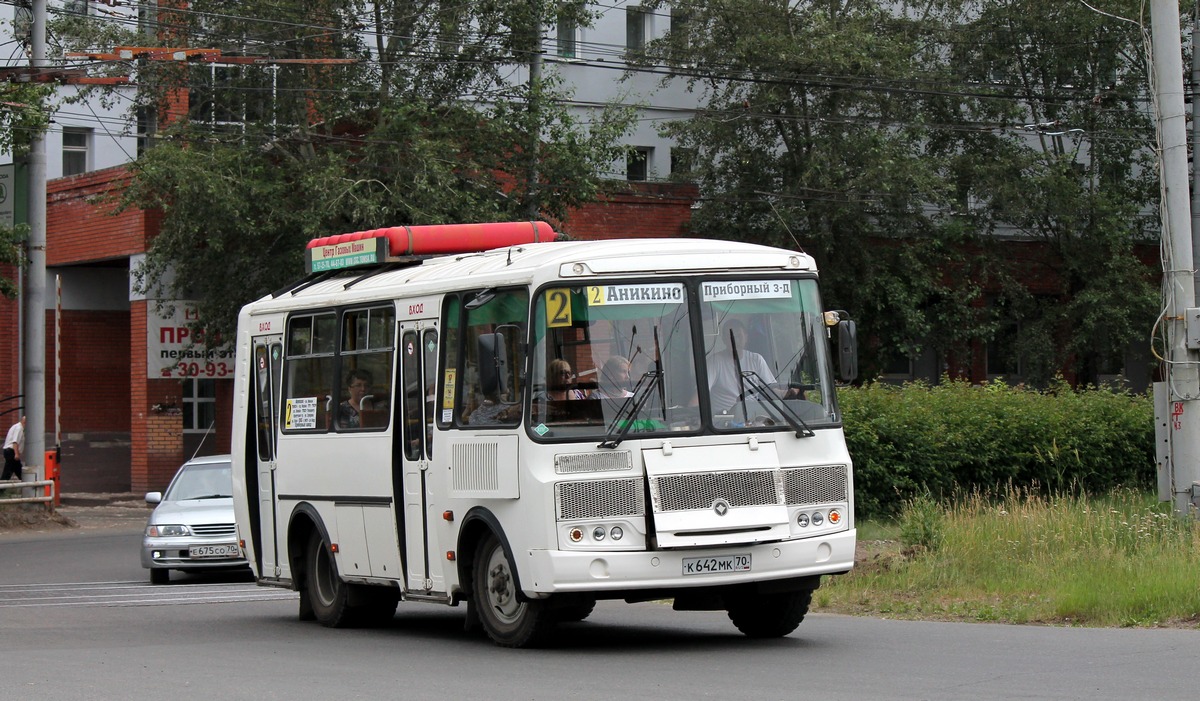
[[956, 437]]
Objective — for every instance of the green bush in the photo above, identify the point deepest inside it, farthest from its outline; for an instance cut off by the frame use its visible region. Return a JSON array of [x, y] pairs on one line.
[[918, 439]]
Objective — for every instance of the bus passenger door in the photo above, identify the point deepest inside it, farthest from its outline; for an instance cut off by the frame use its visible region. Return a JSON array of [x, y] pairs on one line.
[[418, 368], [268, 369]]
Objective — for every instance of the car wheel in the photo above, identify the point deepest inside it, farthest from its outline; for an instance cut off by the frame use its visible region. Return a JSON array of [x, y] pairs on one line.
[[509, 620], [769, 615], [327, 593], [160, 576]]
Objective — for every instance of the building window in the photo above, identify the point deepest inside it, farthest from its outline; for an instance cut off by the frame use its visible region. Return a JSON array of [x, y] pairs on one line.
[[232, 96], [683, 160], [637, 163], [75, 7], [199, 405], [76, 149], [568, 38], [679, 27], [635, 31]]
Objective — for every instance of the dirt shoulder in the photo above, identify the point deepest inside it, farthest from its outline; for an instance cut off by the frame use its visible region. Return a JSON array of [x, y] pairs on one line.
[[76, 512]]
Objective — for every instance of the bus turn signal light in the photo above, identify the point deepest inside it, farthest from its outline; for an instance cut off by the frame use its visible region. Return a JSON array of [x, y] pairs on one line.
[[448, 515]]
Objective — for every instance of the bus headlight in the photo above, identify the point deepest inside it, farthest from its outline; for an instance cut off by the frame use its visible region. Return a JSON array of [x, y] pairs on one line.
[[598, 533], [616, 533]]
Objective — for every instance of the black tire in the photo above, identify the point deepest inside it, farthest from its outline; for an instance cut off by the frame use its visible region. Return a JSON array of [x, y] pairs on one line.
[[509, 619], [770, 615], [160, 575], [376, 605], [575, 612], [328, 595]]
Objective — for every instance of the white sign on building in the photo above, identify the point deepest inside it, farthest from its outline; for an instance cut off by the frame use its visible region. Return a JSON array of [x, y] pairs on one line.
[[172, 351], [8, 195]]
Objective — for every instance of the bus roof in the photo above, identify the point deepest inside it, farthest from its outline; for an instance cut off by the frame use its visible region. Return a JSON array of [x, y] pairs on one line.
[[535, 263]]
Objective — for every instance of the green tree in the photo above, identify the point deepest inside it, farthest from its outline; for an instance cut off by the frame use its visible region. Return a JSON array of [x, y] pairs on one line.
[[1073, 170], [412, 118], [875, 136], [24, 113]]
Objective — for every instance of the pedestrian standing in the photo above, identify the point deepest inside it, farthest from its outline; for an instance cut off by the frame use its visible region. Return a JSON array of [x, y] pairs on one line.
[[14, 446]]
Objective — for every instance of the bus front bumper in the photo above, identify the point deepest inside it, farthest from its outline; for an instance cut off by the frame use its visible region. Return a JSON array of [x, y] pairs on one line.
[[555, 571]]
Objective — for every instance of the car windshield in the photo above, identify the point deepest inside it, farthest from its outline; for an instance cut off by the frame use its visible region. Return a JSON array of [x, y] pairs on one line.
[[201, 481]]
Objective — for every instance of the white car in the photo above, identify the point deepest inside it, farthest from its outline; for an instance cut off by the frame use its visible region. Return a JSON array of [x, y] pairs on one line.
[[192, 527]]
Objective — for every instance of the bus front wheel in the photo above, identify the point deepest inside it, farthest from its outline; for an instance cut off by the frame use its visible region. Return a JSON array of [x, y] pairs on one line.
[[769, 615], [328, 595], [509, 620]]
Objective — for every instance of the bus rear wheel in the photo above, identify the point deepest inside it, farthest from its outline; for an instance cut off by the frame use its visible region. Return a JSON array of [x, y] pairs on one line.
[[328, 595], [769, 615], [510, 620]]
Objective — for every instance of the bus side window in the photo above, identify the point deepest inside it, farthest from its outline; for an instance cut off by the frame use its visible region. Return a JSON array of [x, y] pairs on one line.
[[494, 351], [367, 345], [309, 373]]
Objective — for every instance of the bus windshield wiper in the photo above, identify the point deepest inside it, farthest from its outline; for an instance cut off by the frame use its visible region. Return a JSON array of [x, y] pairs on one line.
[[623, 420], [762, 389]]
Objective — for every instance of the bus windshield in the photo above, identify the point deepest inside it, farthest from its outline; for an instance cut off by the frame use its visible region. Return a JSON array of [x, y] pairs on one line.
[[619, 359], [765, 353], [613, 357]]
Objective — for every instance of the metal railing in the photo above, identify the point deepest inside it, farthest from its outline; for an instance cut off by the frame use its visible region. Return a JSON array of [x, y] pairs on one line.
[[47, 498]]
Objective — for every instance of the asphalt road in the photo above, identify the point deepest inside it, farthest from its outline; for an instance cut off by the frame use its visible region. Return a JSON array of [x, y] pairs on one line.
[[79, 620]]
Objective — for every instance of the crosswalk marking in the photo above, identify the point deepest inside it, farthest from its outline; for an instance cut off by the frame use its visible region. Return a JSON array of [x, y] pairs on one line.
[[134, 593]]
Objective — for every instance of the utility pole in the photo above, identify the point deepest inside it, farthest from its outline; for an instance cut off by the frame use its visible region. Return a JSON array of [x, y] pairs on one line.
[[535, 92], [1177, 401], [35, 282]]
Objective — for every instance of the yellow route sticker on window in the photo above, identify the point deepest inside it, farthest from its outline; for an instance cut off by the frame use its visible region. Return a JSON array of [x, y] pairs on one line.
[[558, 307]]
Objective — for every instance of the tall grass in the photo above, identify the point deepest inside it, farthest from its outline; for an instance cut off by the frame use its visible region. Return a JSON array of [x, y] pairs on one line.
[[1122, 559]]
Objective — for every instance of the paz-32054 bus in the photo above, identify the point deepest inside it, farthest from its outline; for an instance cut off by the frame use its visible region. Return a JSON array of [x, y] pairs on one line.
[[534, 425]]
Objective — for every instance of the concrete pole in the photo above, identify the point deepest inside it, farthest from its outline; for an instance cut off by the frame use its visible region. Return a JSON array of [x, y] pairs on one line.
[[35, 282], [1183, 382], [535, 137]]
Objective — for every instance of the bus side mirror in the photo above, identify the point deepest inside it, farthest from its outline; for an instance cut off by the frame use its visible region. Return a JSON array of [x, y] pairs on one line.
[[847, 350]]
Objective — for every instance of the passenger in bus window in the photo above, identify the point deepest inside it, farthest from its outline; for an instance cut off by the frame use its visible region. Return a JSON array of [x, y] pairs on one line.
[[613, 382], [358, 383], [560, 382], [723, 384]]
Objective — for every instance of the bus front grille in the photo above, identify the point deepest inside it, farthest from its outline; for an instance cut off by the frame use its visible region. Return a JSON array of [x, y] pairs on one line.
[[590, 499], [793, 486]]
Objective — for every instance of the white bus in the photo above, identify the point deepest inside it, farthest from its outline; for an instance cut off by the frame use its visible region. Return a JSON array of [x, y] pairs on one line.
[[536, 426]]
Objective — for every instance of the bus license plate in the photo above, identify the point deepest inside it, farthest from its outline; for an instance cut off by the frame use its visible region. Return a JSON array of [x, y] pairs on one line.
[[230, 550], [713, 565]]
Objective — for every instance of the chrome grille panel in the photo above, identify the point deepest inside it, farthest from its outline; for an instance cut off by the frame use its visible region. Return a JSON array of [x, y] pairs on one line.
[[214, 529], [794, 486], [698, 490], [816, 485], [593, 462], [599, 499]]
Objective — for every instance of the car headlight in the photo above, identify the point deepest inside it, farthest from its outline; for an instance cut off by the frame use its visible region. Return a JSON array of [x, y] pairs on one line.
[[167, 531]]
